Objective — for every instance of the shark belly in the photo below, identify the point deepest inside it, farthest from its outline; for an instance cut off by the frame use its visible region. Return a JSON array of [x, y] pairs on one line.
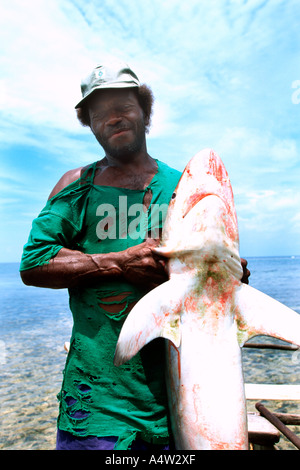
[[205, 387]]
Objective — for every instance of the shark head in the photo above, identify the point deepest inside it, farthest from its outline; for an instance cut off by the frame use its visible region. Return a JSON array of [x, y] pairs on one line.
[[201, 223]]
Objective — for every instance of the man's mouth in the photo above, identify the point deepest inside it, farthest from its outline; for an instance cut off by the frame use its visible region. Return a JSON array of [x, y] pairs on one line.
[[119, 132]]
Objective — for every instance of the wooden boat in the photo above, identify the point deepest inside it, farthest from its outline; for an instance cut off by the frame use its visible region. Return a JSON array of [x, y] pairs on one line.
[[264, 427]]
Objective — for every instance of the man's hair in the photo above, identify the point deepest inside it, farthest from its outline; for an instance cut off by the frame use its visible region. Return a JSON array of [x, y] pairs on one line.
[[145, 98]]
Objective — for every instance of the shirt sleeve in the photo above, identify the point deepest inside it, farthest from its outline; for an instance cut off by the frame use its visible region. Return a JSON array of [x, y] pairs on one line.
[[50, 232], [56, 227]]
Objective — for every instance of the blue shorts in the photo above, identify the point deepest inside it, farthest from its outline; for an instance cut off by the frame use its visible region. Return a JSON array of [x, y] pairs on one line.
[[66, 441]]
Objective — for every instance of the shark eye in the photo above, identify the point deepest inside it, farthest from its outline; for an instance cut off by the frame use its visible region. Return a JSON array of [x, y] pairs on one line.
[[173, 196]]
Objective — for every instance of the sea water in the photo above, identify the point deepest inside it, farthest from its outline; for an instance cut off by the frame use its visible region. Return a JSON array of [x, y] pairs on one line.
[[35, 323]]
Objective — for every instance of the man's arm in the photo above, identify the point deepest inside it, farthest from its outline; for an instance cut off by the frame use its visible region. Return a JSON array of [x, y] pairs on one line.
[[70, 268], [138, 265]]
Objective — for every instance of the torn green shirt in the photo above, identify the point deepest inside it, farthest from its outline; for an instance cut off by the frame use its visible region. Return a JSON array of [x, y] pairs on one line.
[[97, 398]]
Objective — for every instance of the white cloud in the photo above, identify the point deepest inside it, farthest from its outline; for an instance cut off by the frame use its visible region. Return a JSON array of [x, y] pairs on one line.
[[42, 64], [270, 212], [264, 151]]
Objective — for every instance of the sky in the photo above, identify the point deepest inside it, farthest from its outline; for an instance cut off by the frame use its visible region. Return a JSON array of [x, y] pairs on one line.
[[225, 74]]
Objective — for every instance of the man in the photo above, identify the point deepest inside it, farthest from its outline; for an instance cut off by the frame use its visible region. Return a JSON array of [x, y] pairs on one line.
[[89, 239]]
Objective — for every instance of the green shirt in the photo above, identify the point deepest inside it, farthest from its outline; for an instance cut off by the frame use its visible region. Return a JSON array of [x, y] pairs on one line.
[[97, 398]]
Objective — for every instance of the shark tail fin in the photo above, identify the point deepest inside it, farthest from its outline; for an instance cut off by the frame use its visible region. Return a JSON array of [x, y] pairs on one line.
[[258, 314], [151, 318]]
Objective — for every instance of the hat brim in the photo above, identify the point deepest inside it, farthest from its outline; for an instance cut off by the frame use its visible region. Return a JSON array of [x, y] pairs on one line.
[[106, 87]]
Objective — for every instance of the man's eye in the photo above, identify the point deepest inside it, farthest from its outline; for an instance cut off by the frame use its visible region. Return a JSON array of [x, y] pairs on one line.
[[97, 117], [126, 108]]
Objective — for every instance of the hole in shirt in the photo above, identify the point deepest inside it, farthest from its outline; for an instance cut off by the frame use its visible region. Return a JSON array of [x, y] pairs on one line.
[[116, 303], [84, 388], [147, 199], [70, 401], [78, 414]]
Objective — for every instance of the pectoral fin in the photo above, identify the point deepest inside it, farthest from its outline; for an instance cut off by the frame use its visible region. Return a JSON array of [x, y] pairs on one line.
[[157, 314], [258, 314]]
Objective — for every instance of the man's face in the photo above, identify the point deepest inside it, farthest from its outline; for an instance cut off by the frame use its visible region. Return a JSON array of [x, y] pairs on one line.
[[117, 122]]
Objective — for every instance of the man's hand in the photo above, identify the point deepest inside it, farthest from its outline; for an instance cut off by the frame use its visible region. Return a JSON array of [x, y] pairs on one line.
[[141, 265], [246, 272]]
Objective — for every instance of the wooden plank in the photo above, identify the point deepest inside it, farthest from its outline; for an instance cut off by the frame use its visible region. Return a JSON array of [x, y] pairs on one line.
[[272, 392], [288, 418], [261, 431]]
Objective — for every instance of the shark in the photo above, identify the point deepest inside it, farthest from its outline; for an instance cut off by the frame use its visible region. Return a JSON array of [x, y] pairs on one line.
[[204, 312]]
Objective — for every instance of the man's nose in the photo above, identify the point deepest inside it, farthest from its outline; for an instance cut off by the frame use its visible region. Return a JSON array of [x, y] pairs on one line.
[[113, 120]]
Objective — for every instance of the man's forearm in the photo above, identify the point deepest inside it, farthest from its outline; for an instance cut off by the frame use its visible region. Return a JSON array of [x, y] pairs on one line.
[[70, 268]]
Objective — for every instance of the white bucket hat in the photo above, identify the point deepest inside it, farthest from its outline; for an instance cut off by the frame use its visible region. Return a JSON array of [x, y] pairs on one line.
[[111, 75]]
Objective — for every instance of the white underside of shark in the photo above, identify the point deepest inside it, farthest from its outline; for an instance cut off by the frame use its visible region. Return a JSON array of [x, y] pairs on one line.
[[204, 312]]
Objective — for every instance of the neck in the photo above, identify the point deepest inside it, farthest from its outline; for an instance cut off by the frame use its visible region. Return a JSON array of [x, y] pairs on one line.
[[137, 160]]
